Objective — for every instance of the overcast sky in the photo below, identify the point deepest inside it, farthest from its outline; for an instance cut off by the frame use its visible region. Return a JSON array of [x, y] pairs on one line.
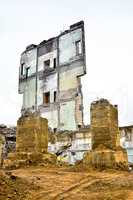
[[109, 48]]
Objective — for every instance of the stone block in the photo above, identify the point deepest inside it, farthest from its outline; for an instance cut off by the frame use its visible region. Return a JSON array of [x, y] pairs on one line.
[[106, 151], [106, 158], [104, 124], [31, 143], [32, 134]]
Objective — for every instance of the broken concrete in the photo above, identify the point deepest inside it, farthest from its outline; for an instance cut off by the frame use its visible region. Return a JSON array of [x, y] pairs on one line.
[[106, 151]]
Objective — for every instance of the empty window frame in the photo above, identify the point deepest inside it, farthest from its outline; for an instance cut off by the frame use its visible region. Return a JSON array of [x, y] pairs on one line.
[[46, 64], [55, 96], [46, 97], [78, 47], [79, 125], [22, 69], [55, 129], [27, 72], [54, 63]]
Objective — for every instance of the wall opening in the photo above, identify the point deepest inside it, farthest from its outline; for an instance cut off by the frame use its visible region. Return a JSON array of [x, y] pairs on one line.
[[55, 96], [78, 47], [27, 72], [55, 129], [22, 69], [54, 63], [79, 125], [46, 64], [46, 97]]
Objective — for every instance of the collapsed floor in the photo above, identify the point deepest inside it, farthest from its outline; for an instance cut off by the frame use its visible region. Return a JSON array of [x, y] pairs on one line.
[[53, 183]]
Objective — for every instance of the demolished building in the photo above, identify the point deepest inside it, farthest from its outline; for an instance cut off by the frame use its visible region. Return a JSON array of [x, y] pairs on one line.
[[50, 82], [50, 78]]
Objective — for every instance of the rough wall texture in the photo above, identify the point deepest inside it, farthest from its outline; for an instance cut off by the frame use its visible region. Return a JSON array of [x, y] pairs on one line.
[[8, 136], [67, 113], [104, 124], [55, 66], [1, 149], [106, 158], [31, 143], [106, 152], [32, 134]]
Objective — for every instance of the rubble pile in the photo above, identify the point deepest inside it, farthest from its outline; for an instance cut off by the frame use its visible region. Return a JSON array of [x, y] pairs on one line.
[[13, 187], [9, 135]]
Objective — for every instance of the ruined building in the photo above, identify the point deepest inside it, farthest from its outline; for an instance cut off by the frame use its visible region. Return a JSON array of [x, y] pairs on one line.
[[50, 78]]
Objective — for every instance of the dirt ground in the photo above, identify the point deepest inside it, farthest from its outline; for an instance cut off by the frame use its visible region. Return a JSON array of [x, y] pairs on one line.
[[50, 183]]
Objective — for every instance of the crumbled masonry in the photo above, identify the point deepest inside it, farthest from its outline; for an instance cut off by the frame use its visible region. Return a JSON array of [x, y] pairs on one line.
[[31, 143], [106, 151]]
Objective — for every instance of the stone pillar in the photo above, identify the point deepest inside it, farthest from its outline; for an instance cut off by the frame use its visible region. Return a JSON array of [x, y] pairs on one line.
[[106, 151], [32, 135], [31, 143], [104, 124]]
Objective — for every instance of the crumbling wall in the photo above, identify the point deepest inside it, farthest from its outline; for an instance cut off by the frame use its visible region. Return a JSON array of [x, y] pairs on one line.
[[31, 142], [28, 89], [106, 151], [32, 134], [67, 113], [55, 66], [67, 45], [104, 124], [49, 110]]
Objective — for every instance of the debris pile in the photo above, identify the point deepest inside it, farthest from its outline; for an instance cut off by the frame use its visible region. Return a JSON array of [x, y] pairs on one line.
[[9, 134], [13, 187]]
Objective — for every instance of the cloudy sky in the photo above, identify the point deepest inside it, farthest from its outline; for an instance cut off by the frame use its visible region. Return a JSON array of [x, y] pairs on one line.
[[109, 48]]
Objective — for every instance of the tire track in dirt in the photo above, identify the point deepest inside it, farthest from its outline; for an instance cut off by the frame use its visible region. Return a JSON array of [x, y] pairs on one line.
[[54, 195], [86, 182], [76, 187]]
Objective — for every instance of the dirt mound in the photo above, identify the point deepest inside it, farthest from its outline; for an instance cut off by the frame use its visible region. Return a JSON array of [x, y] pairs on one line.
[[13, 187]]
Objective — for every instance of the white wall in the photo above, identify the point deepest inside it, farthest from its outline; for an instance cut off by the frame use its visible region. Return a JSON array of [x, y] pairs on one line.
[[49, 84], [52, 118], [49, 56], [29, 60], [67, 45], [67, 116]]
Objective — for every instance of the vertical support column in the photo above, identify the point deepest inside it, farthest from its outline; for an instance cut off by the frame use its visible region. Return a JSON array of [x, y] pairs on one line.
[[36, 82]]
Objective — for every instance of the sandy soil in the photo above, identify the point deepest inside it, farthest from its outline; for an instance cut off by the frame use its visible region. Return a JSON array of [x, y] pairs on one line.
[[41, 183]]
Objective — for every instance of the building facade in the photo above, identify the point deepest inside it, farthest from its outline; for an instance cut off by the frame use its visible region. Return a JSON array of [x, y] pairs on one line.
[[50, 78]]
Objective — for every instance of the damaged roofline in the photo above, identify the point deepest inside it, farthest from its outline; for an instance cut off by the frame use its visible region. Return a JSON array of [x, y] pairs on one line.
[[44, 42]]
